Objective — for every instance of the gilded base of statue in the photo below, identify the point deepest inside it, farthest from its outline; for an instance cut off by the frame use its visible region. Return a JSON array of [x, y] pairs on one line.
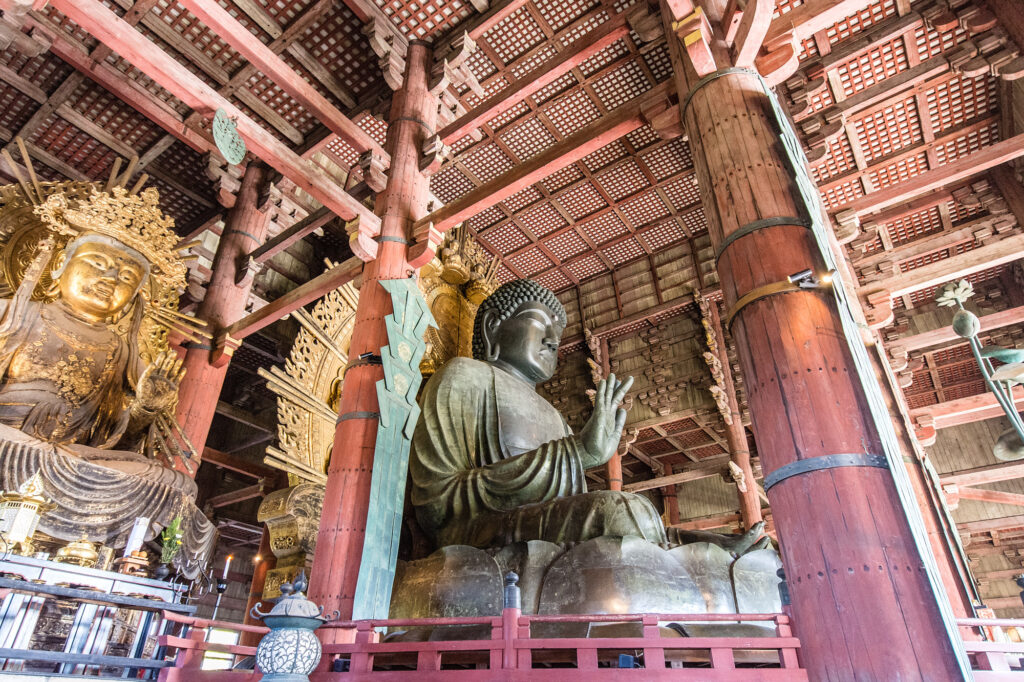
[[101, 503], [607, 574]]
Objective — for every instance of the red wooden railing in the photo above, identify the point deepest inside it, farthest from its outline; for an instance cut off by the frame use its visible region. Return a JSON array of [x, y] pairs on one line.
[[993, 660], [511, 653]]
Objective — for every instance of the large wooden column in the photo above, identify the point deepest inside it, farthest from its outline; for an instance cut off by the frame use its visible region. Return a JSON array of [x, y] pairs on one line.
[[862, 602], [343, 522], [245, 229]]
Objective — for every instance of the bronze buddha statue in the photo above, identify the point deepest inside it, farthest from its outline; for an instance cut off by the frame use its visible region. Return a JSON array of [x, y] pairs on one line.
[[494, 463], [497, 483]]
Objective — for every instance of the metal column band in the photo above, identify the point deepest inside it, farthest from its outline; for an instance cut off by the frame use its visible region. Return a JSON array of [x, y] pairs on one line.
[[388, 238], [359, 362], [358, 415], [709, 78], [803, 466], [773, 289], [750, 228]]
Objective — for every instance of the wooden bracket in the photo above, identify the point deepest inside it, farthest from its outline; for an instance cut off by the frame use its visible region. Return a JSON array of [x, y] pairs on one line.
[[373, 166], [424, 246], [361, 240], [224, 347], [390, 50], [435, 151], [695, 34], [663, 118], [247, 268], [878, 312]]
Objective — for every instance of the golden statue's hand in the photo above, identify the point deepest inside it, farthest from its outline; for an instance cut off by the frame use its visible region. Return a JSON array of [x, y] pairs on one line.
[[158, 384]]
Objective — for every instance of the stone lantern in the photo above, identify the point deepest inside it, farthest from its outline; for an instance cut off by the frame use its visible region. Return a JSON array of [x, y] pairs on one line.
[[290, 651], [20, 512]]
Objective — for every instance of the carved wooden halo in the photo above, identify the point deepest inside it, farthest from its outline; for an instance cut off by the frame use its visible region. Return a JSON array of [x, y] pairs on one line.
[[309, 387]]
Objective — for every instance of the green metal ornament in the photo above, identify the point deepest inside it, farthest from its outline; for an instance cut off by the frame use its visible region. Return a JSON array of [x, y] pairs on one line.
[[396, 396], [228, 141]]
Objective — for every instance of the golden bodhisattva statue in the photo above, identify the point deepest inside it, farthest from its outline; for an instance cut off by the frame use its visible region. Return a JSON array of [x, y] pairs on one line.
[[88, 383]]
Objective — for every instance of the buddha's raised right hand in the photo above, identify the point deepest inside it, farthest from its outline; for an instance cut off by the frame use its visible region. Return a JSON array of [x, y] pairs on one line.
[[600, 436]]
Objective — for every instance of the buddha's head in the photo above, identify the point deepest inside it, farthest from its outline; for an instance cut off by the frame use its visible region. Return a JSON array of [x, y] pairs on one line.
[[98, 276], [518, 328]]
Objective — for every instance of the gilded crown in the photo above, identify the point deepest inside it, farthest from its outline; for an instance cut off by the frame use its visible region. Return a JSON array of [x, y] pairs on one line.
[[135, 220]]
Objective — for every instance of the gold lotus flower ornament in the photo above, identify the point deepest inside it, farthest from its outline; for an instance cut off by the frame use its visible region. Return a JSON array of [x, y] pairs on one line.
[[135, 220]]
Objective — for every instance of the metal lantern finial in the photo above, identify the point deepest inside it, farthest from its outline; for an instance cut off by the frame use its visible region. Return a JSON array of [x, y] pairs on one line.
[[1000, 381], [20, 511]]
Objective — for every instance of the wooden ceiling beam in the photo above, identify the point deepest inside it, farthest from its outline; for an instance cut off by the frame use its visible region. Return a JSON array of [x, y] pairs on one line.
[[708, 468], [993, 473], [967, 410], [809, 18], [241, 416], [937, 178], [138, 50], [286, 238], [270, 64], [236, 496], [991, 525], [908, 152], [933, 243], [239, 465], [123, 88], [984, 495], [945, 334], [302, 295], [608, 128], [546, 73], [990, 255]]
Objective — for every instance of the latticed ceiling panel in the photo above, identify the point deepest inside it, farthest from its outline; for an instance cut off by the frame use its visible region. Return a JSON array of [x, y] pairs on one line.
[[968, 143], [873, 66], [424, 19], [928, 294], [45, 71], [838, 160], [336, 41], [960, 99], [542, 220], [888, 130], [914, 226], [566, 245], [604, 228]]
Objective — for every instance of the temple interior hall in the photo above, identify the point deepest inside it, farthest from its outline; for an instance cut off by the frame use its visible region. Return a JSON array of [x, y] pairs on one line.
[[511, 340]]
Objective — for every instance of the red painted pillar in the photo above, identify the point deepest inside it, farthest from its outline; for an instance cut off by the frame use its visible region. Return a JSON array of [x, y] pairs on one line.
[[670, 498], [267, 561], [613, 470], [862, 603], [343, 522], [224, 304]]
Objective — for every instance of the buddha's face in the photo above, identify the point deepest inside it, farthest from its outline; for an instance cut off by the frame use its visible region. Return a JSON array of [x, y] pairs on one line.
[[526, 343], [100, 279]]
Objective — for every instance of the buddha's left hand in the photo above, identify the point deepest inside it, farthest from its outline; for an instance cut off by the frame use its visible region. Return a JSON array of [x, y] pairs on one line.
[[158, 384]]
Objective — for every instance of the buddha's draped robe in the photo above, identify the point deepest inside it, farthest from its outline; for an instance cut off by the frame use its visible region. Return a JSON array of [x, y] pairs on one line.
[[494, 463]]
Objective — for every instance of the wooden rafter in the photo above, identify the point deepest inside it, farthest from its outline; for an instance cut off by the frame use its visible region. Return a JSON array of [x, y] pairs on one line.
[[265, 60], [623, 120], [180, 82], [966, 410], [937, 178]]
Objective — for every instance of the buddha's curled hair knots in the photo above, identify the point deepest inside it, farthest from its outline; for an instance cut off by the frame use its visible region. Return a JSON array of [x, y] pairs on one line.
[[505, 300]]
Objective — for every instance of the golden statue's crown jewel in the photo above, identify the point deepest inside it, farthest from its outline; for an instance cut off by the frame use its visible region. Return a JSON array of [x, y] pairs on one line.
[[135, 220]]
